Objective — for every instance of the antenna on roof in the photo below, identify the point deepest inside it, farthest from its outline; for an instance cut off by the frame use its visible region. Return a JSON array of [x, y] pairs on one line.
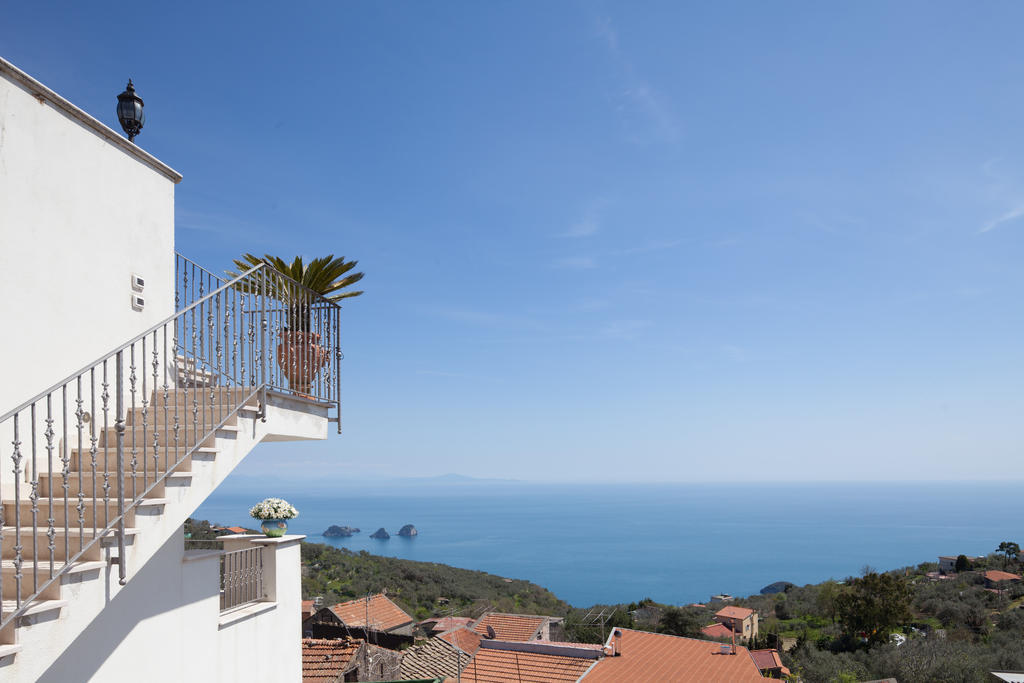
[[601, 618], [491, 635]]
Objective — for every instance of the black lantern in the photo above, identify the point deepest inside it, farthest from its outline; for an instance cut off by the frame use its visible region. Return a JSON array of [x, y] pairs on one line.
[[129, 111]]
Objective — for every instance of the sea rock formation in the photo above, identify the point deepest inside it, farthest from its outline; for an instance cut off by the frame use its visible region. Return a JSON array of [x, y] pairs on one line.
[[380, 533], [408, 530], [335, 531], [777, 587]]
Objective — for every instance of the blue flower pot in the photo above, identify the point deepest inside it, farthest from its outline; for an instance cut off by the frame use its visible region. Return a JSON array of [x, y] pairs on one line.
[[274, 527]]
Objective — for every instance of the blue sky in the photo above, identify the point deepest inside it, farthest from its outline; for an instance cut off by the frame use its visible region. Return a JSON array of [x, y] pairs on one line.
[[605, 241]]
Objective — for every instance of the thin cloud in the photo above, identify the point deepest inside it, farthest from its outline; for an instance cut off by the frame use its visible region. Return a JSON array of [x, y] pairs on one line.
[[1009, 216], [576, 263], [487, 319], [589, 223], [653, 246], [637, 96], [627, 330]]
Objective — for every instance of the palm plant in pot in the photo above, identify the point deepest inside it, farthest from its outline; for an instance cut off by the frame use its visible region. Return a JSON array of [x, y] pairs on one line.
[[300, 354]]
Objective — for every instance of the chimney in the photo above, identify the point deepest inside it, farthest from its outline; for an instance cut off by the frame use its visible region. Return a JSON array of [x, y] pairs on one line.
[[617, 640]]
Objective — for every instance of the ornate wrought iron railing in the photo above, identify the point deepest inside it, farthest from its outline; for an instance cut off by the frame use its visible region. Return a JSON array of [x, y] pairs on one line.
[[86, 452], [241, 577]]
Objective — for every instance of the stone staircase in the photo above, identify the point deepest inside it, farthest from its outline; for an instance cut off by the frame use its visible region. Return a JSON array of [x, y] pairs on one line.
[[199, 463], [98, 473]]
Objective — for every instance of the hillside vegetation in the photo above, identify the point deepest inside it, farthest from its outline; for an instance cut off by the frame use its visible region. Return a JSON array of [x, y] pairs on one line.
[[418, 587]]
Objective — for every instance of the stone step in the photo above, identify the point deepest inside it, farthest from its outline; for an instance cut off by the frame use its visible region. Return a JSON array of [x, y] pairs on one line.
[[188, 434], [53, 485], [9, 650], [28, 586], [77, 540], [180, 414], [92, 512], [144, 458], [183, 397]]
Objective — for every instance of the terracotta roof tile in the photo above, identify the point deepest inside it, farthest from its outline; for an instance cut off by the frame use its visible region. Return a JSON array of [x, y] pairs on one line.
[[504, 666], [435, 658], [717, 631], [659, 658], [325, 660], [462, 638], [996, 575], [448, 623], [731, 612], [384, 615], [766, 659], [517, 627]]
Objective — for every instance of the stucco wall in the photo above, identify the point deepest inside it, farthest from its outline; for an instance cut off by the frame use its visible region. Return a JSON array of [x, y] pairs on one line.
[[166, 625], [78, 216]]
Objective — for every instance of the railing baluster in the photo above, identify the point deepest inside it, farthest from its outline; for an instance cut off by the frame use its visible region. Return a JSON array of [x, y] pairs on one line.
[[16, 457], [80, 416], [92, 443], [51, 531], [119, 428], [33, 498], [65, 458], [105, 397], [131, 383]]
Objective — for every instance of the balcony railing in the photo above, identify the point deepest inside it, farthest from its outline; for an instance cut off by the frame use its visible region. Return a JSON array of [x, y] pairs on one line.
[[241, 577]]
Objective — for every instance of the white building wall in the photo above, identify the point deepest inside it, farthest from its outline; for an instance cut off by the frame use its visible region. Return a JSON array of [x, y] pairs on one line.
[[166, 626], [79, 213]]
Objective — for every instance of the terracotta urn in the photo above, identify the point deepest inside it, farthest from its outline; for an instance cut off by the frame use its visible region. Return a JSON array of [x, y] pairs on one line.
[[301, 357]]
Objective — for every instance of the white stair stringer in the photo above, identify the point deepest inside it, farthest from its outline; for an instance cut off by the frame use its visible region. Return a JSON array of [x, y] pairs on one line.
[[96, 629]]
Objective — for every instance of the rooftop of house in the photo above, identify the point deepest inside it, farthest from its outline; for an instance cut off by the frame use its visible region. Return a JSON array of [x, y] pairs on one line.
[[307, 607], [514, 666], [997, 575], [659, 658], [519, 627], [717, 630], [732, 612], [236, 529], [436, 658], [376, 613], [448, 623], [325, 660], [768, 659], [463, 638]]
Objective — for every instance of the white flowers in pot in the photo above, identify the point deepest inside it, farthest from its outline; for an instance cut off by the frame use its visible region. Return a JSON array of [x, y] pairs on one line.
[[274, 508]]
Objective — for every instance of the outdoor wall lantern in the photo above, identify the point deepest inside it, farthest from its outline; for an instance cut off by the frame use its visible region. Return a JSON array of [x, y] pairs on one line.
[[129, 111]]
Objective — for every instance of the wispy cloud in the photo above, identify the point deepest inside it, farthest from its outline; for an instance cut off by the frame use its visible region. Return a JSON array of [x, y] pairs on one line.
[[489, 319], [734, 353], [638, 100], [1011, 215], [456, 375], [627, 330], [589, 223], [653, 246], [576, 263]]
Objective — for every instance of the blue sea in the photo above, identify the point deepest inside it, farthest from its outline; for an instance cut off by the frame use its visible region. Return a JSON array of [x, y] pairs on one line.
[[675, 543]]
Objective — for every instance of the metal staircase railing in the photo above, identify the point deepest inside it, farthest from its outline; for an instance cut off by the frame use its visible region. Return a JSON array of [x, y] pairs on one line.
[[88, 450]]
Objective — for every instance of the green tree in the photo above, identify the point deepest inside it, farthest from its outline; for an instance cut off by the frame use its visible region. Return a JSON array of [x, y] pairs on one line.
[[962, 563], [827, 599], [873, 605], [680, 622], [1010, 549]]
